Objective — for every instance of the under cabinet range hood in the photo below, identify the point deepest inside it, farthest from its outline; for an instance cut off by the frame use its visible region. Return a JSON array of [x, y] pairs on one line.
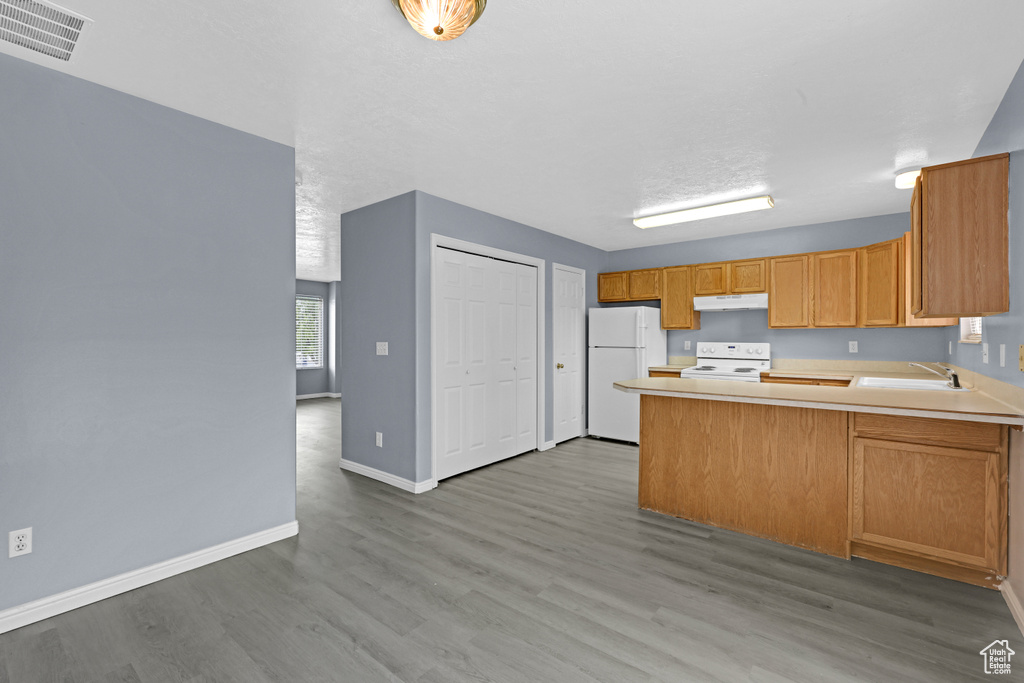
[[731, 302]]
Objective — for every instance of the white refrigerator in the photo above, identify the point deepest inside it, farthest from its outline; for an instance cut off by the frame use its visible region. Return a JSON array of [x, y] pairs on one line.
[[623, 343]]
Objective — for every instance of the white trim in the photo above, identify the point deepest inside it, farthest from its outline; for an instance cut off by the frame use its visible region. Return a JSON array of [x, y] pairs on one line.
[[302, 397], [388, 478], [436, 241], [586, 432], [548, 445], [582, 338], [44, 608], [1013, 603]]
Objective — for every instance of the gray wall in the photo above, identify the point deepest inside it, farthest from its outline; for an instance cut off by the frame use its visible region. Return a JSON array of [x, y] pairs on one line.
[[873, 344], [436, 215], [377, 295], [1004, 134], [385, 296], [145, 414], [316, 380]]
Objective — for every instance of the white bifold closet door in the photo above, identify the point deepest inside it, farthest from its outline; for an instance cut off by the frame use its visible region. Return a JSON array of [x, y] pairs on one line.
[[485, 401]]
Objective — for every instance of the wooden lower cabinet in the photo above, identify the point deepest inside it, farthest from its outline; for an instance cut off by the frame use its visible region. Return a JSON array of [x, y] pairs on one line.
[[929, 495], [771, 471], [920, 493]]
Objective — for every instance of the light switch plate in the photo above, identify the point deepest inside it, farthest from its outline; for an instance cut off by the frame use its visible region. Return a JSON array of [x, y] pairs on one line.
[[686, 345], [1002, 355], [984, 352], [382, 348], [1021, 358]]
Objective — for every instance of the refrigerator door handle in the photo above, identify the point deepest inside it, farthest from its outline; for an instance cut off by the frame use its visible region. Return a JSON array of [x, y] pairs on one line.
[[639, 326], [641, 361]]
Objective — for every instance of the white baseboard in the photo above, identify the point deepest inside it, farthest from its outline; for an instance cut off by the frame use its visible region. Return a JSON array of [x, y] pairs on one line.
[[387, 478], [323, 395], [547, 446], [1013, 603], [44, 608]]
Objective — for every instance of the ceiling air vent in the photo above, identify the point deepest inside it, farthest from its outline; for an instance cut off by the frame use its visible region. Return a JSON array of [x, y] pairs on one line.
[[45, 28]]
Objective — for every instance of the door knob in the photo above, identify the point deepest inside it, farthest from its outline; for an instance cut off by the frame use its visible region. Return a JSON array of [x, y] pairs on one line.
[[559, 366]]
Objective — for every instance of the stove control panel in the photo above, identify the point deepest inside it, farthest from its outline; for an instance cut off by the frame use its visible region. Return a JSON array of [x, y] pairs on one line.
[[734, 350]]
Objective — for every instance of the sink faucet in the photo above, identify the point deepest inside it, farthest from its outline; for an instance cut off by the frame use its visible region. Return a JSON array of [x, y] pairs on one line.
[[949, 374]]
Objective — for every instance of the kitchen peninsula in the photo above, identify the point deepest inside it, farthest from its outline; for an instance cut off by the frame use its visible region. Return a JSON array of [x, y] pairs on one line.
[[911, 478]]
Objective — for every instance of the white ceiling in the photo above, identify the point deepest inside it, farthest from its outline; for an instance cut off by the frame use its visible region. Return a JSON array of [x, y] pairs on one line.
[[572, 116]]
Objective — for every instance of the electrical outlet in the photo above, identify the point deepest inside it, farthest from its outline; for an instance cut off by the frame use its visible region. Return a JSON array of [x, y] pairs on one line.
[[380, 440], [686, 345], [853, 347], [382, 348], [1021, 358], [984, 352], [19, 542], [1002, 355]]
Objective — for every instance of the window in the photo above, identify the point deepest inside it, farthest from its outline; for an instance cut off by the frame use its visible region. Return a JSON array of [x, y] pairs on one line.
[[309, 332], [970, 330]]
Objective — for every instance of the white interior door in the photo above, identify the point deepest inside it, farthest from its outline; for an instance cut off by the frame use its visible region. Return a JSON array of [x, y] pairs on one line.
[[526, 363], [485, 394], [569, 317]]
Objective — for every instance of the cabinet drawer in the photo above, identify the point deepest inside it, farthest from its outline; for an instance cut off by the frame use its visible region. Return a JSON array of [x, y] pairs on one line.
[[662, 373], [952, 433]]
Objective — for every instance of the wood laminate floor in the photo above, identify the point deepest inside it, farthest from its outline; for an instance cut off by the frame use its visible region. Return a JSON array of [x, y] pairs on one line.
[[539, 568]]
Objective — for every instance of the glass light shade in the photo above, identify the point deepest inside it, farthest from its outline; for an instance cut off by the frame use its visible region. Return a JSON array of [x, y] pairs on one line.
[[441, 19], [907, 179]]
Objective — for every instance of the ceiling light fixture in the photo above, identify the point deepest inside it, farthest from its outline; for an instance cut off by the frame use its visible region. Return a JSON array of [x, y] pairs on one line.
[[441, 19], [702, 212], [906, 180]]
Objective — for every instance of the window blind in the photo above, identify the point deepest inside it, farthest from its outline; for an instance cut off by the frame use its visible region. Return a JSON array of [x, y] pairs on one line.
[[970, 330], [309, 336]]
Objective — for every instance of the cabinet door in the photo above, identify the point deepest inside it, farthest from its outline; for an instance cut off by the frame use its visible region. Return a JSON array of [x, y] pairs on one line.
[[880, 284], [915, 248], [930, 501], [613, 286], [747, 277], [835, 289], [964, 238], [677, 300], [788, 292], [909, 319], [711, 279], [645, 284]]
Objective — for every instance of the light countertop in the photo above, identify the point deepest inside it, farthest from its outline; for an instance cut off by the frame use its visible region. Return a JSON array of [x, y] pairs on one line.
[[972, 406]]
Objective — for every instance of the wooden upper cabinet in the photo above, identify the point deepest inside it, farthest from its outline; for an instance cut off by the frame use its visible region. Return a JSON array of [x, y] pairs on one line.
[[915, 248], [711, 279], [645, 284], [835, 288], [909, 319], [880, 284], [748, 277], [613, 286], [677, 300], [789, 291], [960, 211]]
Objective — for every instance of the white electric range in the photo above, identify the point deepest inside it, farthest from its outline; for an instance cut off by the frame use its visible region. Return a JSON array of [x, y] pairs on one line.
[[740, 362]]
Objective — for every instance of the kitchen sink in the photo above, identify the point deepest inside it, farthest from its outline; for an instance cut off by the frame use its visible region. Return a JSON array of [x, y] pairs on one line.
[[893, 383]]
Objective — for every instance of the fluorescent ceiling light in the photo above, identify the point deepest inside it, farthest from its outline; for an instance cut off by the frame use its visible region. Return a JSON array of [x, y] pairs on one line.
[[702, 212], [905, 180]]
